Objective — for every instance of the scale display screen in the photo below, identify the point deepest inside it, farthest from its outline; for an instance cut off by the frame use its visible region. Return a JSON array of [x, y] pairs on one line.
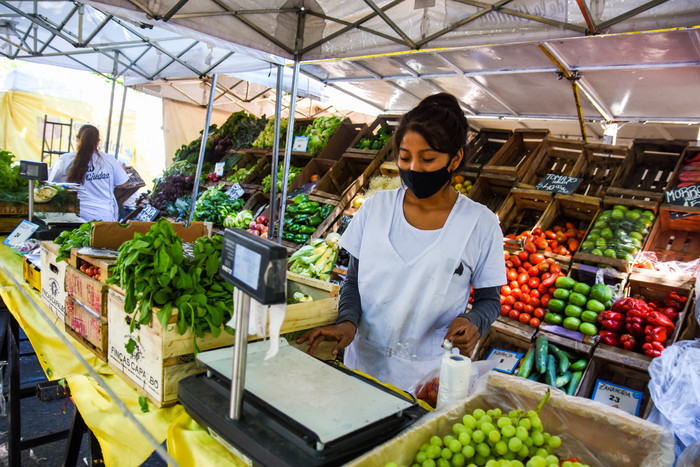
[[255, 265], [32, 170]]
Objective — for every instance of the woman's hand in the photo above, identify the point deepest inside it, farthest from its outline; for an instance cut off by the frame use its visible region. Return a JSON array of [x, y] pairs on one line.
[[464, 335], [343, 332]]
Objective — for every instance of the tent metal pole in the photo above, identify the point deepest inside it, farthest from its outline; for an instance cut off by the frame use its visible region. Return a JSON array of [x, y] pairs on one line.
[[111, 100], [276, 156], [121, 121], [203, 147], [288, 144]]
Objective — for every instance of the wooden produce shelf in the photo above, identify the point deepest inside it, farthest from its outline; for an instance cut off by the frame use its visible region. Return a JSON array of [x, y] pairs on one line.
[[504, 336], [689, 153], [253, 182], [556, 156], [650, 289], [598, 167], [341, 140], [483, 147], [578, 350], [491, 190], [674, 239], [515, 157], [342, 178], [388, 122], [523, 209], [648, 170]]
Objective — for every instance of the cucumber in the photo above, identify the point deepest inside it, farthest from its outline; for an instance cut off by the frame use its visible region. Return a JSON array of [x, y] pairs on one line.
[[575, 378], [562, 357], [527, 363], [550, 376], [541, 354], [579, 365], [534, 376], [562, 380]]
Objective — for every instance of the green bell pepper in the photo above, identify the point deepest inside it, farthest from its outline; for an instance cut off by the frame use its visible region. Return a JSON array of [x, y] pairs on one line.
[[314, 220], [307, 229], [326, 210], [298, 199], [301, 238]]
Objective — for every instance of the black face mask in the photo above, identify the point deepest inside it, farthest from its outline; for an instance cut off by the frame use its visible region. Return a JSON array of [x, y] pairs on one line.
[[425, 184]]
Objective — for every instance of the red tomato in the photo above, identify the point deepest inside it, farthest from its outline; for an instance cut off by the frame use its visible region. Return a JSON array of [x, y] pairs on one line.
[[542, 289], [530, 247], [534, 282], [512, 275], [509, 264], [514, 314], [524, 298], [527, 265], [505, 309], [503, 297], [551, 290], [506, 290], [509, 300], [545, 275], [541, 243], [534, 301], [550, 234], [516, 261], [538, 312], [506, 255], [523, 255], [572, 244], [533, 271], [536, 258], [534, 322], [529, 309], [525, 289], [544, 300], [555, 268], [514, 285], [524, 318], [537, 231], [515, 293], [518, 306], [523, 278], [535, 293]]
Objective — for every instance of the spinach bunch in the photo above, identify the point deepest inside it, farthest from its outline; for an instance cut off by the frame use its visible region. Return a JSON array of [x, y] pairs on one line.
[[69, 239], [153, 273], [214, 205]]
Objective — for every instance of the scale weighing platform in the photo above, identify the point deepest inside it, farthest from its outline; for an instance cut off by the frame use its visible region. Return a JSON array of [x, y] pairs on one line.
[[292, 409]]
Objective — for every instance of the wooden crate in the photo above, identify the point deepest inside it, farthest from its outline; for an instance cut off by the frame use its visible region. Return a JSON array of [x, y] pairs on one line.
[[522, 210], [648, 170], [616, 373], [389, 122], [576, 209], [619, 264], [598, 167], [323, 310], [514, 327], [317, 168], [515, 157], [253, 181], [87, 327], [492, 190], [688, 153], [341, 140], [90, 292], [483, 147], [506, 337], [53, 278], [589, 274], [31, 274], [650, 289], [76, 260], [674, 239], [342, 177], [556, 156]]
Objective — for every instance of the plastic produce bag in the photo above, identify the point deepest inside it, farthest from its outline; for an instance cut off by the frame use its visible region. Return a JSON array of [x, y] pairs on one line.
[[618, 233], [675, 390]]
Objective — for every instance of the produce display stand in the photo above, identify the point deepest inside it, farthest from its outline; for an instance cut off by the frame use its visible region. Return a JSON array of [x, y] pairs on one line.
[[345, 172], [674, 239], [511, 327], [316, 167], [657, 288], [341, 140], [516, 156], [576, 349], [388, 122], [648, 170], [556, 156], [619, 264], [492, 190], [523, 209], [254, 179], [483, 147], [598, 167]]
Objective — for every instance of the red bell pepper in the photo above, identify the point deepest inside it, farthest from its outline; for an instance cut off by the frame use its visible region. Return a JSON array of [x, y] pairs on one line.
[[635, 325], [622, 305], [671, 312], [676, 301], [611, 320], [628, 341], [655, 333], [658, 319], [610, 338], [653, 349]]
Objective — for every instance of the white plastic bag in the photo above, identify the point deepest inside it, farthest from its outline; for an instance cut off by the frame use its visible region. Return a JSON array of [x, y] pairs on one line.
[[675, 390]]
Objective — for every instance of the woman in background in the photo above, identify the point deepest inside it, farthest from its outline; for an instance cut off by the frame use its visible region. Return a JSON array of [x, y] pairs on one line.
[[97, 173]]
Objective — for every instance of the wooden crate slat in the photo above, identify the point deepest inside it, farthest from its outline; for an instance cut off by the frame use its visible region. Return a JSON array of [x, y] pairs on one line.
[[483, 147], [556, 156], [599, 167], [515, 157], [492, 190], [522, 209]]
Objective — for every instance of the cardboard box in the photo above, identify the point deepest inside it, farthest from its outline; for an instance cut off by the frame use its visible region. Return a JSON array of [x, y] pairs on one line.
[[87, 327], [92, 293], [31, 274], [53, 291], [112, 234]]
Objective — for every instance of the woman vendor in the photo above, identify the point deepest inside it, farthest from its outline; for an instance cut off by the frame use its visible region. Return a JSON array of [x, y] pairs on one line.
[[415, 252], [97, 173]]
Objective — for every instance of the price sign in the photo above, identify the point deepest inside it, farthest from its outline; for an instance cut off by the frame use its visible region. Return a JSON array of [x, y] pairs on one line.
[[300, 143], [684, 196], [559, 183], [235, 192], [507, 361], [219, 168], [621, 397], [21, 233], [147, 214]]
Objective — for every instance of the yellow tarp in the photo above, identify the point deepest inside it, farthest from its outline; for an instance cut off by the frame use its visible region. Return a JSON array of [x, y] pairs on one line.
[[121, 443]]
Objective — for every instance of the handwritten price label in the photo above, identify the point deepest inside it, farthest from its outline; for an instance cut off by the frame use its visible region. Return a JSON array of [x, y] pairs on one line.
[[235, 192], [507, 360], [621, 397]]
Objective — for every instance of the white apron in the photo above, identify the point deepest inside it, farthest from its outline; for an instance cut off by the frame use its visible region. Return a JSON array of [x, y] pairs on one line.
[[408, 307]]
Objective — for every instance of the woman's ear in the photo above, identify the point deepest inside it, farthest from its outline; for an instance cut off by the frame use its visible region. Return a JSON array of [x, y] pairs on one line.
[[456, 161]]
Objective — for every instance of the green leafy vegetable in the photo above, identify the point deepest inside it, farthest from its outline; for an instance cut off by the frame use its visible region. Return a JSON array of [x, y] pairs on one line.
[[69, 239], [214, 205]]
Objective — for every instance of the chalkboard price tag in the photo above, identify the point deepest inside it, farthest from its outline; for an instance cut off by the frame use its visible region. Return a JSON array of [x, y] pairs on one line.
[[684, 196], [235, 192], [621, 397], [300, 143], [559, 183], [507, 361], [147, 214]]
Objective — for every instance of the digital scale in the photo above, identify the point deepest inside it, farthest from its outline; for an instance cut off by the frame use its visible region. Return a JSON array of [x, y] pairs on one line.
[[292, 409]]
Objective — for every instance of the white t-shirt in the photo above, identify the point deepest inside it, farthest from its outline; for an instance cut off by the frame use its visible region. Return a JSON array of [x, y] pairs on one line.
[[97, 201]]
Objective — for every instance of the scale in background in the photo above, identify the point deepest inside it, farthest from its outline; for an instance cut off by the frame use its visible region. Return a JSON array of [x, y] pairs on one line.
[[293, 409], [51, 224]]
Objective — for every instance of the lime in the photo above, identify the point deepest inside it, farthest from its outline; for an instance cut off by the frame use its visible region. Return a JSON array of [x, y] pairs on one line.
[[597, 252], [564, 283], [617, 214], [601, 292], [620, 208], [582, 288], [649, 215], [556, 305], [606, 233], [589, 316], [571, 323], [577, 299], [561, 294], [573, 311], [632, 215], [595, 305], [553, 318], [601, 244]]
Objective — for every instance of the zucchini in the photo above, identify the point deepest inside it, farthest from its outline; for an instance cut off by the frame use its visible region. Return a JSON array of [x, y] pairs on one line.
[[562, 380], [541, 354], [579, 365], [561, 357], [526, 363], [550, 376], [575, 378]]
